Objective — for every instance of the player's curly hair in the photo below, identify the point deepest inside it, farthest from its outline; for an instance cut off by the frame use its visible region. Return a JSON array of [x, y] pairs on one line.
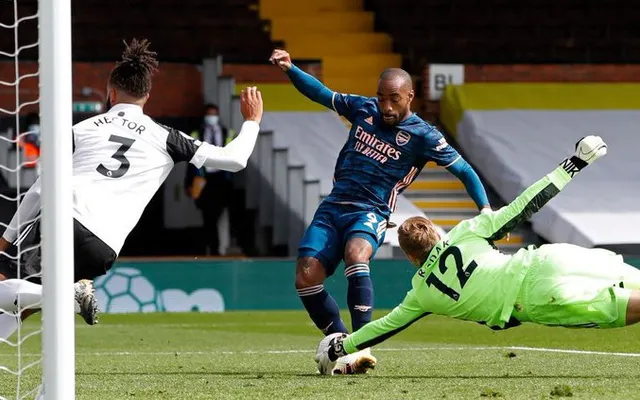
[[133, 73], [417, 236]]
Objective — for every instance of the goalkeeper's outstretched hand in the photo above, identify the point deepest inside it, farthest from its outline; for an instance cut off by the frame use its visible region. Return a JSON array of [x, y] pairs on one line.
[[329, 349], [590, 148]]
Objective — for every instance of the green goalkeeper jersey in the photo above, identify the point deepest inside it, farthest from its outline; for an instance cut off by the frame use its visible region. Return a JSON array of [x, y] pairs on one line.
[[465, 276]]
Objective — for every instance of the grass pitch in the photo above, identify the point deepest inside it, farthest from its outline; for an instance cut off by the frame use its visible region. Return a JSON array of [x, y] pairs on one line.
[[268, 355]]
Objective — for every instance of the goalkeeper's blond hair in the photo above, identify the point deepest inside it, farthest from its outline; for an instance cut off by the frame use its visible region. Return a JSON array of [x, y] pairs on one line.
[[417, 236]]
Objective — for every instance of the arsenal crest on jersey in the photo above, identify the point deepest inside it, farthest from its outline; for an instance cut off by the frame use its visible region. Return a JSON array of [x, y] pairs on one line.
[[402, 138]]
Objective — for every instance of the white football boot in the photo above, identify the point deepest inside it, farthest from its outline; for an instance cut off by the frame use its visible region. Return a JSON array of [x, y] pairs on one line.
[[86, 303], [355, 363]]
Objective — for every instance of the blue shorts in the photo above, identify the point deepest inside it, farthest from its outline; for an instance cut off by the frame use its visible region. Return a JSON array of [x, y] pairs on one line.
[[333, 225]]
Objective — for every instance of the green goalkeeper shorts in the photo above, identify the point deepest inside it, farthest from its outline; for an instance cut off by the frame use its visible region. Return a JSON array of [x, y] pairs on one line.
[[571, 286]]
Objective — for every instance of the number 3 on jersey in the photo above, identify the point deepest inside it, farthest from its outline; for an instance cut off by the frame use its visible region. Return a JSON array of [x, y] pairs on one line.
[[462, 274], [125, 145]]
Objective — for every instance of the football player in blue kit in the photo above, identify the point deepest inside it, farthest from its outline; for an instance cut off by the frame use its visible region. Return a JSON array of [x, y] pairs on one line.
[[385, 151]]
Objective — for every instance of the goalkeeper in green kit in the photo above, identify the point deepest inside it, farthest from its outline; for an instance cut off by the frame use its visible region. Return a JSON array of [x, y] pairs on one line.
[[463, 275]]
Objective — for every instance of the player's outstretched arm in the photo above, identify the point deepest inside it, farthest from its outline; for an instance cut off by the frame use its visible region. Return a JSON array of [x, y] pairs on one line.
[[306, 84], [468, 176], [495, 225], [25, 214], [438, 150], [373, 333], [235, 155]]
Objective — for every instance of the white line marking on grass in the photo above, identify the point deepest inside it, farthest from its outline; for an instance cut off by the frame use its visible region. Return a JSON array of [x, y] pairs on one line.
[[201, 325], [461, 348], [569, 351], [523, 348]]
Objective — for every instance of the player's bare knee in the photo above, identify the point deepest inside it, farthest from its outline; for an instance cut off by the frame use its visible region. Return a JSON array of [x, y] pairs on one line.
[[357, 251], [309, 272]]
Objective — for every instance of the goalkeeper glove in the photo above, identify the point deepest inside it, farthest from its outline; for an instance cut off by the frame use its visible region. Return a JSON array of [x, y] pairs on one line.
[[588, 149]]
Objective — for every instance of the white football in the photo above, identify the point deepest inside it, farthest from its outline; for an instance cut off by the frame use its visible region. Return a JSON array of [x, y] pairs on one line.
[[324, 343], [325, 366]]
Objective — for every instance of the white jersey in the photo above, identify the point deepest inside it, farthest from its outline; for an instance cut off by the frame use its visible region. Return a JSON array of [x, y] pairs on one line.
[[120, 160]]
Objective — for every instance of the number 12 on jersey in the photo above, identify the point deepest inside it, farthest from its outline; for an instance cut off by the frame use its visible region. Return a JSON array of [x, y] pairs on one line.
[[462, 274]]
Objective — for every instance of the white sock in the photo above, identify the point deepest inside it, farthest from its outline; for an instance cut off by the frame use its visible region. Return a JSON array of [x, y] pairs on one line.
[[8, 324], [18, 294]]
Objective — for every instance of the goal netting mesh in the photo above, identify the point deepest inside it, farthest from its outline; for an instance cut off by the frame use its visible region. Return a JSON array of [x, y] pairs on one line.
[[20, 354]]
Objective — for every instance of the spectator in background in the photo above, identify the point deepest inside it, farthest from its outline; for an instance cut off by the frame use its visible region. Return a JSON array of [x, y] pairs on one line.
[[210, 187], [29, 141]]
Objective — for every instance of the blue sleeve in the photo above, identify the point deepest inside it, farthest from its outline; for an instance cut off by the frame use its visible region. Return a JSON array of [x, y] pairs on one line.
[[347, 104], [314, 90], [438, 150], [311, 87], [471, 181]]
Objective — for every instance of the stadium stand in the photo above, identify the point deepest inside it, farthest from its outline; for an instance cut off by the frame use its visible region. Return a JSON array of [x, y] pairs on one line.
[[338, 32], [195, 30], [513, 132], [353, 41], [503, 31], [500, 32]]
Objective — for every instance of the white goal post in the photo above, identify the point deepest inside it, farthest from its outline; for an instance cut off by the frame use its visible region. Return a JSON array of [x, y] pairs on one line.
[[58, 318]]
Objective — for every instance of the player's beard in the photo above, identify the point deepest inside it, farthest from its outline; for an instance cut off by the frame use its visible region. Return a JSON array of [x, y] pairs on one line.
[[107, 104], [390, 120]]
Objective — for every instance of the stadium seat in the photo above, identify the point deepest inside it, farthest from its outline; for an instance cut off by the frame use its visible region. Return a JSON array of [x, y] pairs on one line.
[[500, 31], [340, 33], [196, 29]]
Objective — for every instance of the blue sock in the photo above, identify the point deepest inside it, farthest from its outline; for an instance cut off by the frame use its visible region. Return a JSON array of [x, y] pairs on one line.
[[359, 294], [322, 309]]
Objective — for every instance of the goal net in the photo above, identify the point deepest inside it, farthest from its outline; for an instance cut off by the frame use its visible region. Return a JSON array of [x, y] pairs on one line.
[[38, 360]]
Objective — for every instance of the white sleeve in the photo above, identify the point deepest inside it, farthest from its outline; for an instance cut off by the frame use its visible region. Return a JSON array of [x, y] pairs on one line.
[[27, 210], [232, 157]]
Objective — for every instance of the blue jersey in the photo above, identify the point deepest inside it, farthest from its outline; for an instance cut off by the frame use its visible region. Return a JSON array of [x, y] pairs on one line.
[[379, 161]]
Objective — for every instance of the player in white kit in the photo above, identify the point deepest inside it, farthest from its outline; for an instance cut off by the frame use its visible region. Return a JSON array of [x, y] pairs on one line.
[[120, 160]]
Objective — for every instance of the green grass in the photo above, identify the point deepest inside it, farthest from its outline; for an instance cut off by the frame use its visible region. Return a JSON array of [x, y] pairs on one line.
[[268, 355]]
